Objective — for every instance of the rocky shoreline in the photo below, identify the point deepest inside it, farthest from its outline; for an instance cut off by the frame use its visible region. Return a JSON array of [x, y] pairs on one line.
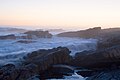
[[100, 64], [35, 63]]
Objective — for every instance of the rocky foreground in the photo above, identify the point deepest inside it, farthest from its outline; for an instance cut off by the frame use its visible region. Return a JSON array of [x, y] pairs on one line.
[[35, 64], [100, 64]]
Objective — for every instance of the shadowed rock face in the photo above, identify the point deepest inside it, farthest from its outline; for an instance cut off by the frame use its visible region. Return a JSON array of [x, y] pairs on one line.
[[106, 75], [98, 59], [35, 63], [11, 72], [45, 58], [57, 71], [112, 40]]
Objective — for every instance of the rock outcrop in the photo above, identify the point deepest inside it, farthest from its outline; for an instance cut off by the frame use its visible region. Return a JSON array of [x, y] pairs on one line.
[[45, 58], [35, 64], [98, 59], [96, 32], [106, 75], [12, 36], [107, 42], [28, 35], [104, 61], [38, 34], [92, 32], [11, 72]]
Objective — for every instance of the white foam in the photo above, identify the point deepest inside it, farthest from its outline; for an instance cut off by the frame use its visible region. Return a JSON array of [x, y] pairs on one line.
[[12, 47]]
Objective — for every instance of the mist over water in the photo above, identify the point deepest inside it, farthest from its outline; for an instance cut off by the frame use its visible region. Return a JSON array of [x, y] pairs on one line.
[[11, 51], [12, 47]]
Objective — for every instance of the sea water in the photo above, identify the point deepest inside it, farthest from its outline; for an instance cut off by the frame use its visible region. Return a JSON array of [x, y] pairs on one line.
[[13, 51]]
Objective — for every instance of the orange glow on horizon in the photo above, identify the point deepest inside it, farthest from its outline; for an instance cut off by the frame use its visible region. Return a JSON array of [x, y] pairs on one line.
[[63, 13]]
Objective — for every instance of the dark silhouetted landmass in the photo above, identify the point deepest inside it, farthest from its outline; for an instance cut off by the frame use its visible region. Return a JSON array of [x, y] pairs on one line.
[[96, 32]]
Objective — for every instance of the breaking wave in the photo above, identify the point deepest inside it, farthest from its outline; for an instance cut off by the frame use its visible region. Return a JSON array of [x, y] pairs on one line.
[[12, 49]]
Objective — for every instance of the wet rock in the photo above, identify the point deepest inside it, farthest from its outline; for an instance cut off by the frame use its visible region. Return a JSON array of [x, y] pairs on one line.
[[25, 41], [57, 71], [36, 77], [12, 36], [106, 75], [107, 42], [98, 59], [8, 72], [45, 58], [86, 72], [25, 73], [63, 69]]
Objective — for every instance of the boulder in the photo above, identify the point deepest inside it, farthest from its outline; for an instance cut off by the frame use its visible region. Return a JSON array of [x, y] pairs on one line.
[[109, 41], [8, 72], [98, 59], [45, 58], [11, 72], [35, 63]]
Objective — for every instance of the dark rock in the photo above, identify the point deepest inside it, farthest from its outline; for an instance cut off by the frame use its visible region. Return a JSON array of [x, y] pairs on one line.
[[45, 58], [28, 35], [110, 41], [25, 41], [41, 61], [25, 74], [89, 33], [38, 34], [12, 36], [57, 71], [49, 74], [63, 69], [96, 32], [8, 72], [36, 77], [32, 68], [86, 72], [106, 75], [98, 59]]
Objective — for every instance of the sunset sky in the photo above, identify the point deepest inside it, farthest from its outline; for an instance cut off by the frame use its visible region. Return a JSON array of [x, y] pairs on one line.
[[66, 14]]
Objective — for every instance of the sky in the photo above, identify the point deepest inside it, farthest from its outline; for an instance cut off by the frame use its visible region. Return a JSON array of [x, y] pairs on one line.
[[65, 14]]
